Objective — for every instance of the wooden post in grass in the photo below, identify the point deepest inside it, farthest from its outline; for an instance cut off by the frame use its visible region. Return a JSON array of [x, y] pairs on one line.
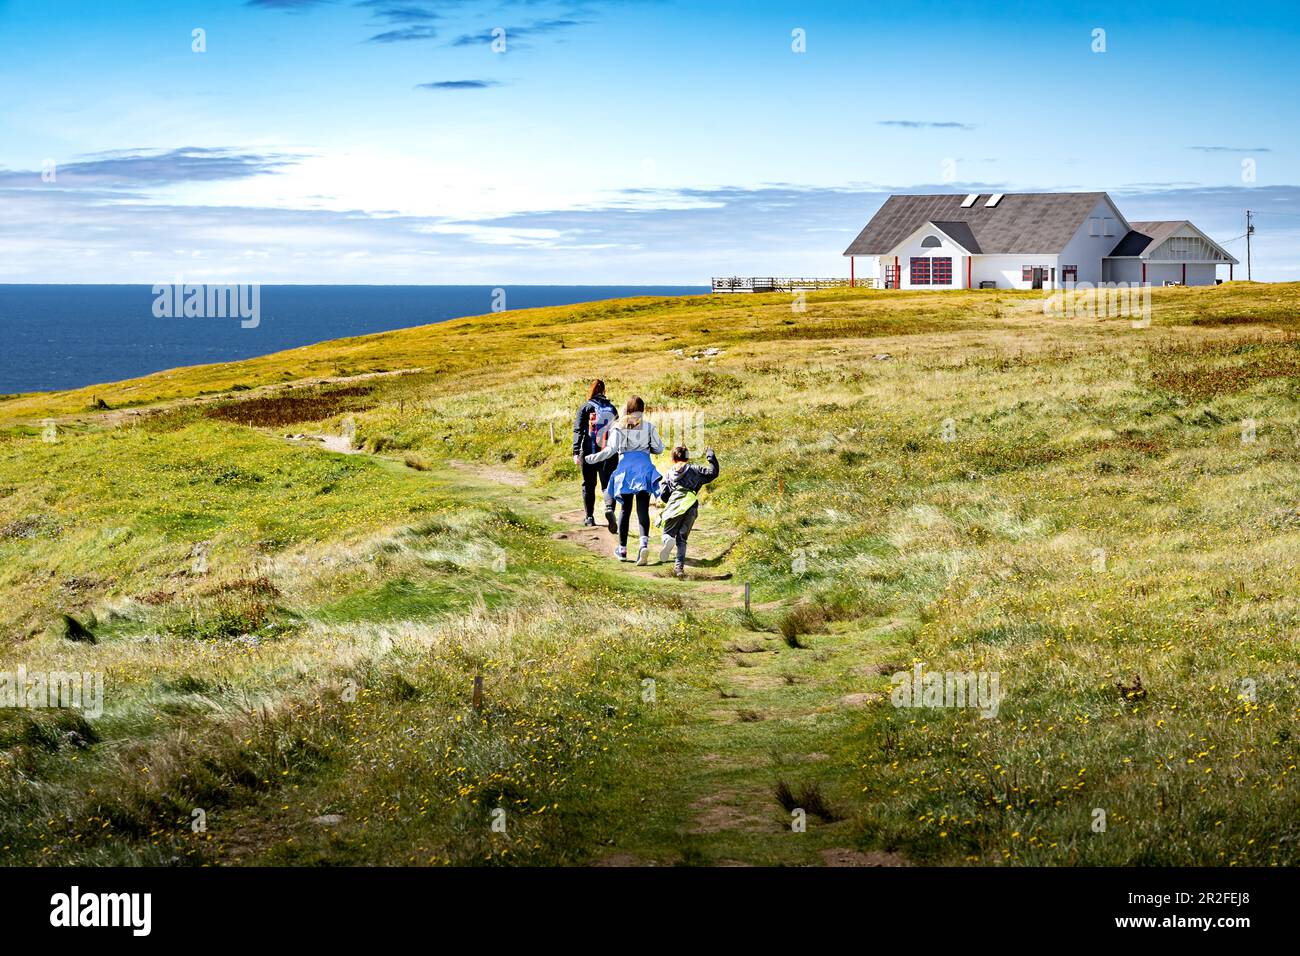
[[746, 598], [478, 691], [552, 433]]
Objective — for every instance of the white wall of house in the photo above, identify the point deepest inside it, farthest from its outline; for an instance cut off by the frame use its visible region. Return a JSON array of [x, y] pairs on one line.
[[1158, 273], [1198, 273], [1086, 250], [1122, 270], [912, 247], [1006, 271]]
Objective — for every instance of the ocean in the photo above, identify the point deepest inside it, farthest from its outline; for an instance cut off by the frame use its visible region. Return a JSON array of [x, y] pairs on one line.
[[66, 336]]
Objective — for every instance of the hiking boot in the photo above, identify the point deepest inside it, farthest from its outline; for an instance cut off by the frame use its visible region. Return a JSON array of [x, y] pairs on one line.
[[679, 570], [666, 551], [620, 552], [609, 520], [589, 522]]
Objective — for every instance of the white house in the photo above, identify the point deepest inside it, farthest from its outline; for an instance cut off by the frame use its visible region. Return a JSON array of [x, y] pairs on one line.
[[1027, 241]]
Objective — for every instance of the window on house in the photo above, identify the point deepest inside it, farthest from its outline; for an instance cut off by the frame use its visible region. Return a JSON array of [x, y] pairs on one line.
[[1027, 273], [920, 271], [1069, 273], [1094, 226], [1108, 226], [931, 242], [941, 270]]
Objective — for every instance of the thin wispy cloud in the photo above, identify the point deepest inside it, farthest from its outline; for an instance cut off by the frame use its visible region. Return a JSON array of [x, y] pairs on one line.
[[400, 12], [1231, 149], [457, 85], [291, 6], [404, 35], [135, 168], [923, 124], [536, 28]]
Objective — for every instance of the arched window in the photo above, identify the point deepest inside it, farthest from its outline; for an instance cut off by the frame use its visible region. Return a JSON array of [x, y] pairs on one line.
[[931, 242]]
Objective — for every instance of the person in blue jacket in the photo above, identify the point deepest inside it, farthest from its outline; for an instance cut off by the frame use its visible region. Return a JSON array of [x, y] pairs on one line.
[[636, 478], [590, 431], [680, 493]]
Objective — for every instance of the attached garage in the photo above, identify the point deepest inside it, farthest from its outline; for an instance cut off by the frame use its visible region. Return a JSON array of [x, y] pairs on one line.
[[1166, 252]]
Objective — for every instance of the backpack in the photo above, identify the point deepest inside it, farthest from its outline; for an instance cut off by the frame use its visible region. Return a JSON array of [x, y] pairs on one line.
[[598, 424]]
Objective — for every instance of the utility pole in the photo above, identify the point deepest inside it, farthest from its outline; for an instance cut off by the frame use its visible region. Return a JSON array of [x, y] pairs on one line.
[[1250, 230]]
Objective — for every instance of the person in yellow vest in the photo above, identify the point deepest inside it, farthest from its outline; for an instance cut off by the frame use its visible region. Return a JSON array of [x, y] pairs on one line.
[[680, 493]]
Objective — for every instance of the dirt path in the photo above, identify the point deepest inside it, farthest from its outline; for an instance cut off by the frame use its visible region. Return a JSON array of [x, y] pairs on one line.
[[769, 714], [755, 770]]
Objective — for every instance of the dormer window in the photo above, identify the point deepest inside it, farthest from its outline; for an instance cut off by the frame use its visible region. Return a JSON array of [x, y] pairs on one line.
[[931, 242]]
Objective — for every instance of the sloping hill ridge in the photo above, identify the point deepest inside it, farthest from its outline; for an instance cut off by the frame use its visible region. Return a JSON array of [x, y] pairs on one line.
[[289, 573]]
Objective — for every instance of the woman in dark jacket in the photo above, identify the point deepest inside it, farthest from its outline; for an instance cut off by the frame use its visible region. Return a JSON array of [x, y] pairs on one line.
[[590, 428]]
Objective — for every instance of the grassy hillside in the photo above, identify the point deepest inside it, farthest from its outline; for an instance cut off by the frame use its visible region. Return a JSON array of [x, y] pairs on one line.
[[1105, 516]]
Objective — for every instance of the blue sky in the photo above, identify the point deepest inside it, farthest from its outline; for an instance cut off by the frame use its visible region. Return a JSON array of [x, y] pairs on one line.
[[611, 142]]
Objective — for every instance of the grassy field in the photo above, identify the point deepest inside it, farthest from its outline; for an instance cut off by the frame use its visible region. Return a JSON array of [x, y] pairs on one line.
[[1105, 516]]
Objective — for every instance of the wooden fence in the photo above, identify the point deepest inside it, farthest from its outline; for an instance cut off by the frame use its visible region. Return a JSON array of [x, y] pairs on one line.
[[780, 283]]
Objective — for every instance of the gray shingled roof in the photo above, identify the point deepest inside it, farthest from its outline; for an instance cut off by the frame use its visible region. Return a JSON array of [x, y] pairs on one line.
[[1020, 223], [1146, 235], [960, 232]]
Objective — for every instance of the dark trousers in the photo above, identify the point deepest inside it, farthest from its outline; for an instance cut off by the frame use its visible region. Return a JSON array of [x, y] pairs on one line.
[[679, 530], [642, 515], [590, 473]]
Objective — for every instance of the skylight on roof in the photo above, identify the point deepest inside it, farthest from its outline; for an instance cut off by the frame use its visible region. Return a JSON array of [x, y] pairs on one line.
[[993, 200], [969, 200]]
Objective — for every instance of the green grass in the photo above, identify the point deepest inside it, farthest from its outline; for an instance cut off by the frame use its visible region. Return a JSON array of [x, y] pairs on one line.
[[1066, 502]]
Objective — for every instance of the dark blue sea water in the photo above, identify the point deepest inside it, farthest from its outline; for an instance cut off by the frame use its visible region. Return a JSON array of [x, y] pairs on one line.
[[66, 336]]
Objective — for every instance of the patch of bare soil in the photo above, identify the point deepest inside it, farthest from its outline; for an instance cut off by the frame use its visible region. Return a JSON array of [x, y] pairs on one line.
[[341, 444], [837, 856], [621, 860], [858, 700], [597, 540], [494, 474], [719, 812], [876, 670], [757, 681]]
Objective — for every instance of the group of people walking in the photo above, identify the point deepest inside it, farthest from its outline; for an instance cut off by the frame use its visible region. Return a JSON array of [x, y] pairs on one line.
[[616, 454]]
